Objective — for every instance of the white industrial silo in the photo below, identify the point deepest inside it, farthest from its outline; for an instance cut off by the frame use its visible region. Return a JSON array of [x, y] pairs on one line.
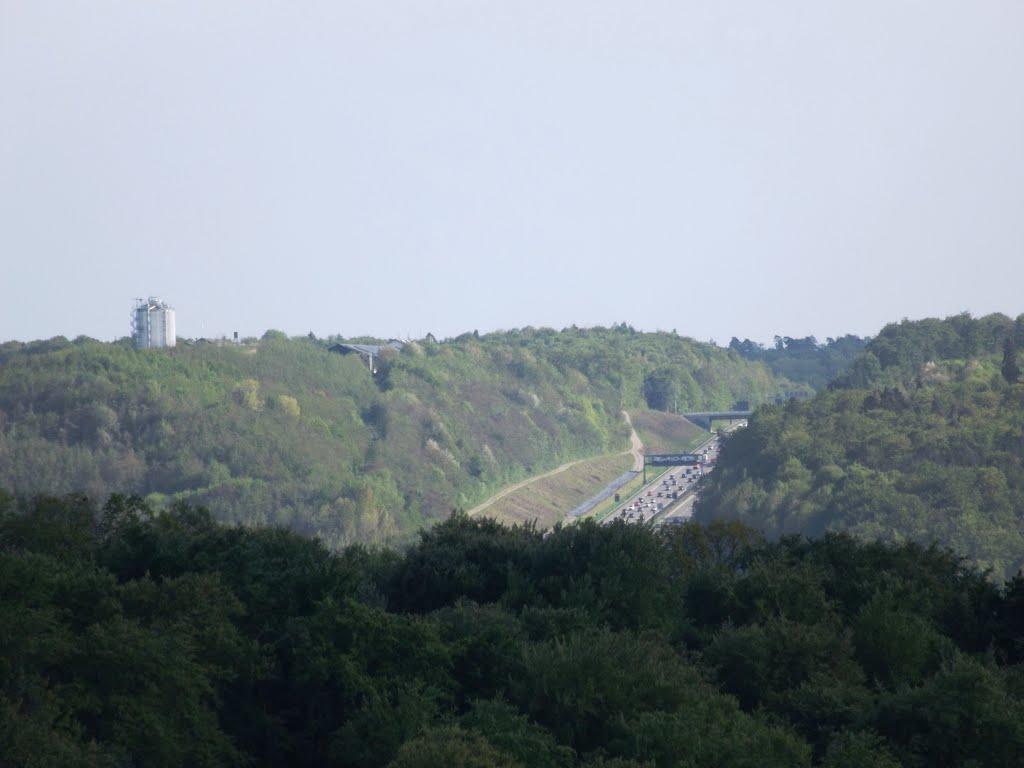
[[153, 324]]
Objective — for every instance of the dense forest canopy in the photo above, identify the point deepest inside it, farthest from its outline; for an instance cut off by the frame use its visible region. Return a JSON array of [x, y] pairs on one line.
[[923, 440], [285, 431], [136, 637]]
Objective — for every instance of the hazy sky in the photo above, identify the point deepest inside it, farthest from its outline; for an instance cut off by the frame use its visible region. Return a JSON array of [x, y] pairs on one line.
[[393, 167]]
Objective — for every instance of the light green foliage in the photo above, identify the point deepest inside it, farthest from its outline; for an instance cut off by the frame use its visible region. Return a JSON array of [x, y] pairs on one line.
[[247, 394], [287, 405]]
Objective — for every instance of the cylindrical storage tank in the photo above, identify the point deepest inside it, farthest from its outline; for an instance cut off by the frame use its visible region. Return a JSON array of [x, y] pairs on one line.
[[141, 327], [154, 324], [170, 336]]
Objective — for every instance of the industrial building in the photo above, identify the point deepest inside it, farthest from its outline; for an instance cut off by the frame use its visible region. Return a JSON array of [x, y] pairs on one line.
[[153, 324]]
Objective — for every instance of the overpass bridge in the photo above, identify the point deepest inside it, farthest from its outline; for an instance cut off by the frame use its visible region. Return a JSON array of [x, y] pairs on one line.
[[704, 418]]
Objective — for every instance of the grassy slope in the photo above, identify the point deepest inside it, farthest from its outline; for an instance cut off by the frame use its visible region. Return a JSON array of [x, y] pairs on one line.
[[547, 500], [665, 432]]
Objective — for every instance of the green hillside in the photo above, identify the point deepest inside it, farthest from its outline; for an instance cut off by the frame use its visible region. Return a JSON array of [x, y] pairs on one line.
[[930, 450], [285, 431]]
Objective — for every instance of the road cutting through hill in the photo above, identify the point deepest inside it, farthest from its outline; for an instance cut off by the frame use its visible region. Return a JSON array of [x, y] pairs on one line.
[[635, 450]]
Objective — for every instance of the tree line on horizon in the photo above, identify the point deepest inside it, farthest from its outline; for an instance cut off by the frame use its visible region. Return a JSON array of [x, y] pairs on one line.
[[804, 360]]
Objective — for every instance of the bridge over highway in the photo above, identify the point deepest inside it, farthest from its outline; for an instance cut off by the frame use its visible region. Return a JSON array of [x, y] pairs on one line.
[[704, 418]]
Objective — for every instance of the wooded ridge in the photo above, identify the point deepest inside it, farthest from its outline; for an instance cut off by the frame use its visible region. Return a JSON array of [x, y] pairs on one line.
[[287, 432], [922, 440]]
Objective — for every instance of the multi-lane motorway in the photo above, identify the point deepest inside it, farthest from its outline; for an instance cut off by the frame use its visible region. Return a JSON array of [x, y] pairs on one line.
[[654, 503]]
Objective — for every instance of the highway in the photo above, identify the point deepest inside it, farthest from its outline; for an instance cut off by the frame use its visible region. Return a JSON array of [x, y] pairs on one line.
[[642, 507]]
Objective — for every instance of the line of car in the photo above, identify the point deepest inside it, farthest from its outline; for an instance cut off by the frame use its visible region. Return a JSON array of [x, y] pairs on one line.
[[652, 502]]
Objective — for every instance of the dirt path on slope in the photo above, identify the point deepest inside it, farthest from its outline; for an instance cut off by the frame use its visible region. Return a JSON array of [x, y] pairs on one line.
[[635, 450]]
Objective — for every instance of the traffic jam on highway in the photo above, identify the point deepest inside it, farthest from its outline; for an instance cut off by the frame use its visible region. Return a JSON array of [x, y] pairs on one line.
[[669, 498]]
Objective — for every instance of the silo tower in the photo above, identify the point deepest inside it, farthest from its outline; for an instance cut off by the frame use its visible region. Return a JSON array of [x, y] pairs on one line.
[[153, 324]]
